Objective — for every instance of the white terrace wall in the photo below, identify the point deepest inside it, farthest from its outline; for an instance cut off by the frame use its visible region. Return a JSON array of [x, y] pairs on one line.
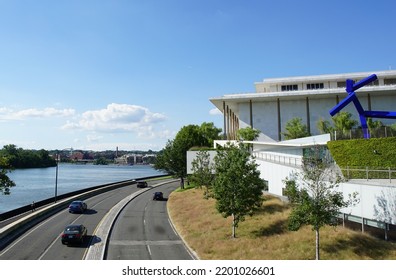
[[371, 196]]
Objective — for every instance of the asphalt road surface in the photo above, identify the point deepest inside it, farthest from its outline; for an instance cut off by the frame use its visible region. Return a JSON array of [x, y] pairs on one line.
[[143, 231], [42, 242]]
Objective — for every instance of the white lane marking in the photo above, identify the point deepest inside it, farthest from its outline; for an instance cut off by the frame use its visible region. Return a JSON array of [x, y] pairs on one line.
[[149, 250], [29, 232]]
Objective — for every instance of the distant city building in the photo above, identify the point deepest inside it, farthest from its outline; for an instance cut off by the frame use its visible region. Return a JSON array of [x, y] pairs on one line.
[[77, 156], [130, 159], [278, 100]]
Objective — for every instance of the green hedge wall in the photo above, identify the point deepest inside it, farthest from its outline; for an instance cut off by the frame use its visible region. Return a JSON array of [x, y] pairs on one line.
[[375, 153]]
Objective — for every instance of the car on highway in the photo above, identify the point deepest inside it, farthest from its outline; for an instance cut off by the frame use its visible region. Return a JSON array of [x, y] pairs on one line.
[[158, 196], [74, 233], [142, 184], [77, 206]]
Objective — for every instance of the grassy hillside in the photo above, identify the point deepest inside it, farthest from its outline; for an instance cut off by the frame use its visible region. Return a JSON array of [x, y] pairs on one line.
[[265, 236]]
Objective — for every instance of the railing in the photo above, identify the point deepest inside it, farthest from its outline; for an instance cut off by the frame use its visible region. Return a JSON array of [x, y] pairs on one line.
[[357, 133], [369, 173], [285, 160], [355, 172]]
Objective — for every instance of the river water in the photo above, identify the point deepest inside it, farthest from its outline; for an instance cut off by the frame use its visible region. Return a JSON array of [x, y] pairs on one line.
[[39, 183]]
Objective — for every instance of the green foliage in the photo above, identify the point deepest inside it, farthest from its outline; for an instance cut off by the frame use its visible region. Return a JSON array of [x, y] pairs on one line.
[[20, 158], [295, 129], [248, 134], [313, 195], [210, 133], [237, 187], [166, 159], [12, 157], [5, 182], [101, 161], [343, 122], [173, 158], [374, 124], [203, 173], [324, 126], [374, 153]]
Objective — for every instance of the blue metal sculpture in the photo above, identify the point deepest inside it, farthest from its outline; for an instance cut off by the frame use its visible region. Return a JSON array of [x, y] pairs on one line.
[[351, 87]]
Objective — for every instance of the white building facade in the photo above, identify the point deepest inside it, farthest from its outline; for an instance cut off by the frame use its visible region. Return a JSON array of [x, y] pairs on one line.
[[278, 100]]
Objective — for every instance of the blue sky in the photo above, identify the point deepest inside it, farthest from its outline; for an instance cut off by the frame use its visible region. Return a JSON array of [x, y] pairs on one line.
[[97, 75]]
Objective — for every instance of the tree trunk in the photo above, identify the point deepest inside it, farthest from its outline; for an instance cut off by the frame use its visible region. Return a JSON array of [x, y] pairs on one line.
[[317, 244], [233, 226]]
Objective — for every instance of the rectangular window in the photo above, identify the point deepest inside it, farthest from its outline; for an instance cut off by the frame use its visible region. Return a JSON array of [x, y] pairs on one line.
[[289, 87], [375, 83], [315, 86], [389, 81]]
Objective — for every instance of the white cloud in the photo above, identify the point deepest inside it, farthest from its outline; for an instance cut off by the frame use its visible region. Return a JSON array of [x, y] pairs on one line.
[[215, 112], [11, 114], [94, 138], [118, 118]]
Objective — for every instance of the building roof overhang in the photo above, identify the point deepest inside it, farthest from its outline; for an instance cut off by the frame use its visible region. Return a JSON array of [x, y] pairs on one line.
[[232, 100]]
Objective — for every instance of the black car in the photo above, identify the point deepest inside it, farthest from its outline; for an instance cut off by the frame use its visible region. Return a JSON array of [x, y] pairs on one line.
[[74, 234], [142, 184], [158, 196], [77, 206]]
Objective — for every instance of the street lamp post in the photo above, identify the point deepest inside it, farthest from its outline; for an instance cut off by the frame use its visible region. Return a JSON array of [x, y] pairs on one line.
[[56, 177], [57, 159]]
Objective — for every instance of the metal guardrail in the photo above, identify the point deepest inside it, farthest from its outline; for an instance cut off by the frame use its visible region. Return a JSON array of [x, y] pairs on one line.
[[369, 173], [285, 160], [349, 173], [357, 133]]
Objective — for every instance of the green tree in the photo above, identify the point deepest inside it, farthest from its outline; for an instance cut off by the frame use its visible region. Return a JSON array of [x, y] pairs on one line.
[[343, 122], [237, 187], [248, 134], [295, 129], [374, 126], [173, 158], [210, 133], [313, 195], [20, 158], [5, 182], [324, 126], [101, 161], [203, 173]]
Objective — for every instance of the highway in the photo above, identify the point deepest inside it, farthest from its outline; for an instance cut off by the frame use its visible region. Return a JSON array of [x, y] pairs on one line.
[[143, 231], [142, 226]]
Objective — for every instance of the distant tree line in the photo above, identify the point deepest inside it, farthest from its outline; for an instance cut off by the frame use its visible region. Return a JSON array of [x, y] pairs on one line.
[[19, 158]]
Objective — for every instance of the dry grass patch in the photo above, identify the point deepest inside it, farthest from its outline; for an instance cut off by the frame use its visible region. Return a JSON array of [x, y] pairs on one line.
[[265, 234]]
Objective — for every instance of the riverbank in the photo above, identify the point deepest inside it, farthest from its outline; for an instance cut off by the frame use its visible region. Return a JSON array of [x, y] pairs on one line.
[[265, 236]]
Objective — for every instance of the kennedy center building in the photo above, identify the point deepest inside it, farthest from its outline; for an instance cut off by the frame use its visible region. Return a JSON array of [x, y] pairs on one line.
[[278, 100]]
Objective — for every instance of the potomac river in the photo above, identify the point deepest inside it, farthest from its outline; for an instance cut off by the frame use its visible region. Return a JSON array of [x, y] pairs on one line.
[[39, 183]]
